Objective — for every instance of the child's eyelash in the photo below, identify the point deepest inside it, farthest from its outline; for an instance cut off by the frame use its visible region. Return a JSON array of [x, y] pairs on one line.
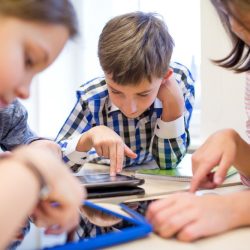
[[114, 92]]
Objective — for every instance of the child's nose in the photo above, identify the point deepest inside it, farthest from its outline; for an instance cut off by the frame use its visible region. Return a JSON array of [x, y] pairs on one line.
[[132, 107], [23, 92]]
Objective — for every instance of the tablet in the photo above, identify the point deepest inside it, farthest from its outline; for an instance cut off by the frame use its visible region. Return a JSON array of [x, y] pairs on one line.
[[101, 227], [105, 180], [139, 206], [113, 192]]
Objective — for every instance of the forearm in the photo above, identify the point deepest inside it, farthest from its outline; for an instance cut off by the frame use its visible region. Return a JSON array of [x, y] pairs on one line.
[[48, 145], [239, 206], [16, 203], [75, 150], [168, 152], [173, 113], [169, 143], [84, 144], [242, 158]]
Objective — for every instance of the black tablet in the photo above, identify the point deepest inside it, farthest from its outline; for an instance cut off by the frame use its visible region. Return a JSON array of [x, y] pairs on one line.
[[104, 180], [94, 193]]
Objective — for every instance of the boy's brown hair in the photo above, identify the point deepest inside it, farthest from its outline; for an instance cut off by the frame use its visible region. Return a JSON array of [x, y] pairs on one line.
[[135, 46], [44, 11]]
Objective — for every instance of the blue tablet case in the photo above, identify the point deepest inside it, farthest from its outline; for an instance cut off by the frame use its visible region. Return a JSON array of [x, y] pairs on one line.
[[140, 229]]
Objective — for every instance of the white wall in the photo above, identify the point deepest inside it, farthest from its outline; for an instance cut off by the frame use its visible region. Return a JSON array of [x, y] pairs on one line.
[[222, 92]]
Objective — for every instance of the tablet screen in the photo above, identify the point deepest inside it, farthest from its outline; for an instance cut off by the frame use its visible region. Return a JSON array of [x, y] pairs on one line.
[[94, 222], [105, 180]]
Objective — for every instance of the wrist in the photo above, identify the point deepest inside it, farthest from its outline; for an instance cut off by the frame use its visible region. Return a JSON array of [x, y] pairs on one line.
[[85, 143], [240, 206], [29, 171], [170, 114]]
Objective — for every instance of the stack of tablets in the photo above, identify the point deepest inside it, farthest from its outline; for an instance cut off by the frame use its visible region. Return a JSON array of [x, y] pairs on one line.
[[102, 185]]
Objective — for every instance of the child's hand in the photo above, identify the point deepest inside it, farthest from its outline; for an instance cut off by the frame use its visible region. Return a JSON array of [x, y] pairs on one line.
[[219, 150], [107, 144], [172, 99], [63, 189], [190, 217], [48, 144]]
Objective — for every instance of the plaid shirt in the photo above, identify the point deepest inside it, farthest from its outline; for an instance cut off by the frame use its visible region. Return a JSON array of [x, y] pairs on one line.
[[141, 134]]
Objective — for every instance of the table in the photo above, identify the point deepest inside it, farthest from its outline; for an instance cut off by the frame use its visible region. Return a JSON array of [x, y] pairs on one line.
[[235, 239], [155, 188]]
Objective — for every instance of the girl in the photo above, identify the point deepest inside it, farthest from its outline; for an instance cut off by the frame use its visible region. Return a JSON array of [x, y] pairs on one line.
[[190, 217], [32, 33]]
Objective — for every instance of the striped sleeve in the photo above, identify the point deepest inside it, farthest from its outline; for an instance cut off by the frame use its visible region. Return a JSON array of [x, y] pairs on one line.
[[79, 121], [169, 150]]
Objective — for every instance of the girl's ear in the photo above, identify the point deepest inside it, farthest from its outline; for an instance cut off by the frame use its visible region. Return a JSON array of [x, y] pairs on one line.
[[168, 74]]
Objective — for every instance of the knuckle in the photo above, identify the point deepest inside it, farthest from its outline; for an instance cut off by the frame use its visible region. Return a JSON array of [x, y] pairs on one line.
[[188, 234]]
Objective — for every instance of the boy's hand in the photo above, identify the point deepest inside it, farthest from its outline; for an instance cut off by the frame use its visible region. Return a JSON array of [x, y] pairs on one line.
[[190, 217], [220, 150], [107, 144], [172, 99]]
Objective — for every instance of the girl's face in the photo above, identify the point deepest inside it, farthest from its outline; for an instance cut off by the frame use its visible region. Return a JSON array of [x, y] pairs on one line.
[[240, 20], [26, 48]]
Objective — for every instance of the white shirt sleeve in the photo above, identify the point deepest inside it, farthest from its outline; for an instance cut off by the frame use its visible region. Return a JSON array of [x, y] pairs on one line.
[[170, 130], [71, 153]]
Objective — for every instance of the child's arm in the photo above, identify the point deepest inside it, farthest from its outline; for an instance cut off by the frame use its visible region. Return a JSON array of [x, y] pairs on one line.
[[30, 169], [190, 217], [80, 134], [78, 122], [171, 138], [107, 144], [15, 129]]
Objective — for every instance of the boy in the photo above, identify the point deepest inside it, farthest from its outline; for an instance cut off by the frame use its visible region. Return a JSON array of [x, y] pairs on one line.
[[140, 109]]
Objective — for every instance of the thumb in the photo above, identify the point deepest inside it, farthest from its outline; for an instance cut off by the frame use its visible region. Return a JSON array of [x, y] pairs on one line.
[[128, 152]]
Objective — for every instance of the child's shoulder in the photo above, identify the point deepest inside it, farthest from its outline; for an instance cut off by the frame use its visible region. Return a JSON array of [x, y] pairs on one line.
[[181, 71], [93, 89]]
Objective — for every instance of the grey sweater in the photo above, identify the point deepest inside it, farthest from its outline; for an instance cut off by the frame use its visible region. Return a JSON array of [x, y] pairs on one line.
[[14, 129]]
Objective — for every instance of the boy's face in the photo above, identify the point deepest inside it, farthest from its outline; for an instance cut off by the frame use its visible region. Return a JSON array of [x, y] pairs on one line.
[[26, 48], [133, 100]]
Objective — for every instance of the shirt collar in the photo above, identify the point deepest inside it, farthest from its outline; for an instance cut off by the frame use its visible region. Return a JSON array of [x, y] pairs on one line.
[[112, 108], [157, 104]]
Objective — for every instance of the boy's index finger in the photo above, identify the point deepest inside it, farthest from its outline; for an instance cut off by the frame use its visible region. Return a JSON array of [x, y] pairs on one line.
[[119, 157], [113, 158]]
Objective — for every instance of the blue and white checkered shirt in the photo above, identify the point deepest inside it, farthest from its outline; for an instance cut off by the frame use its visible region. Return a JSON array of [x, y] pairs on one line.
[[148, 136]]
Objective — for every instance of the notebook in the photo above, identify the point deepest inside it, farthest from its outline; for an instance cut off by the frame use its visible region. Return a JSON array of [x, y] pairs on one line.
[[183, 172]]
